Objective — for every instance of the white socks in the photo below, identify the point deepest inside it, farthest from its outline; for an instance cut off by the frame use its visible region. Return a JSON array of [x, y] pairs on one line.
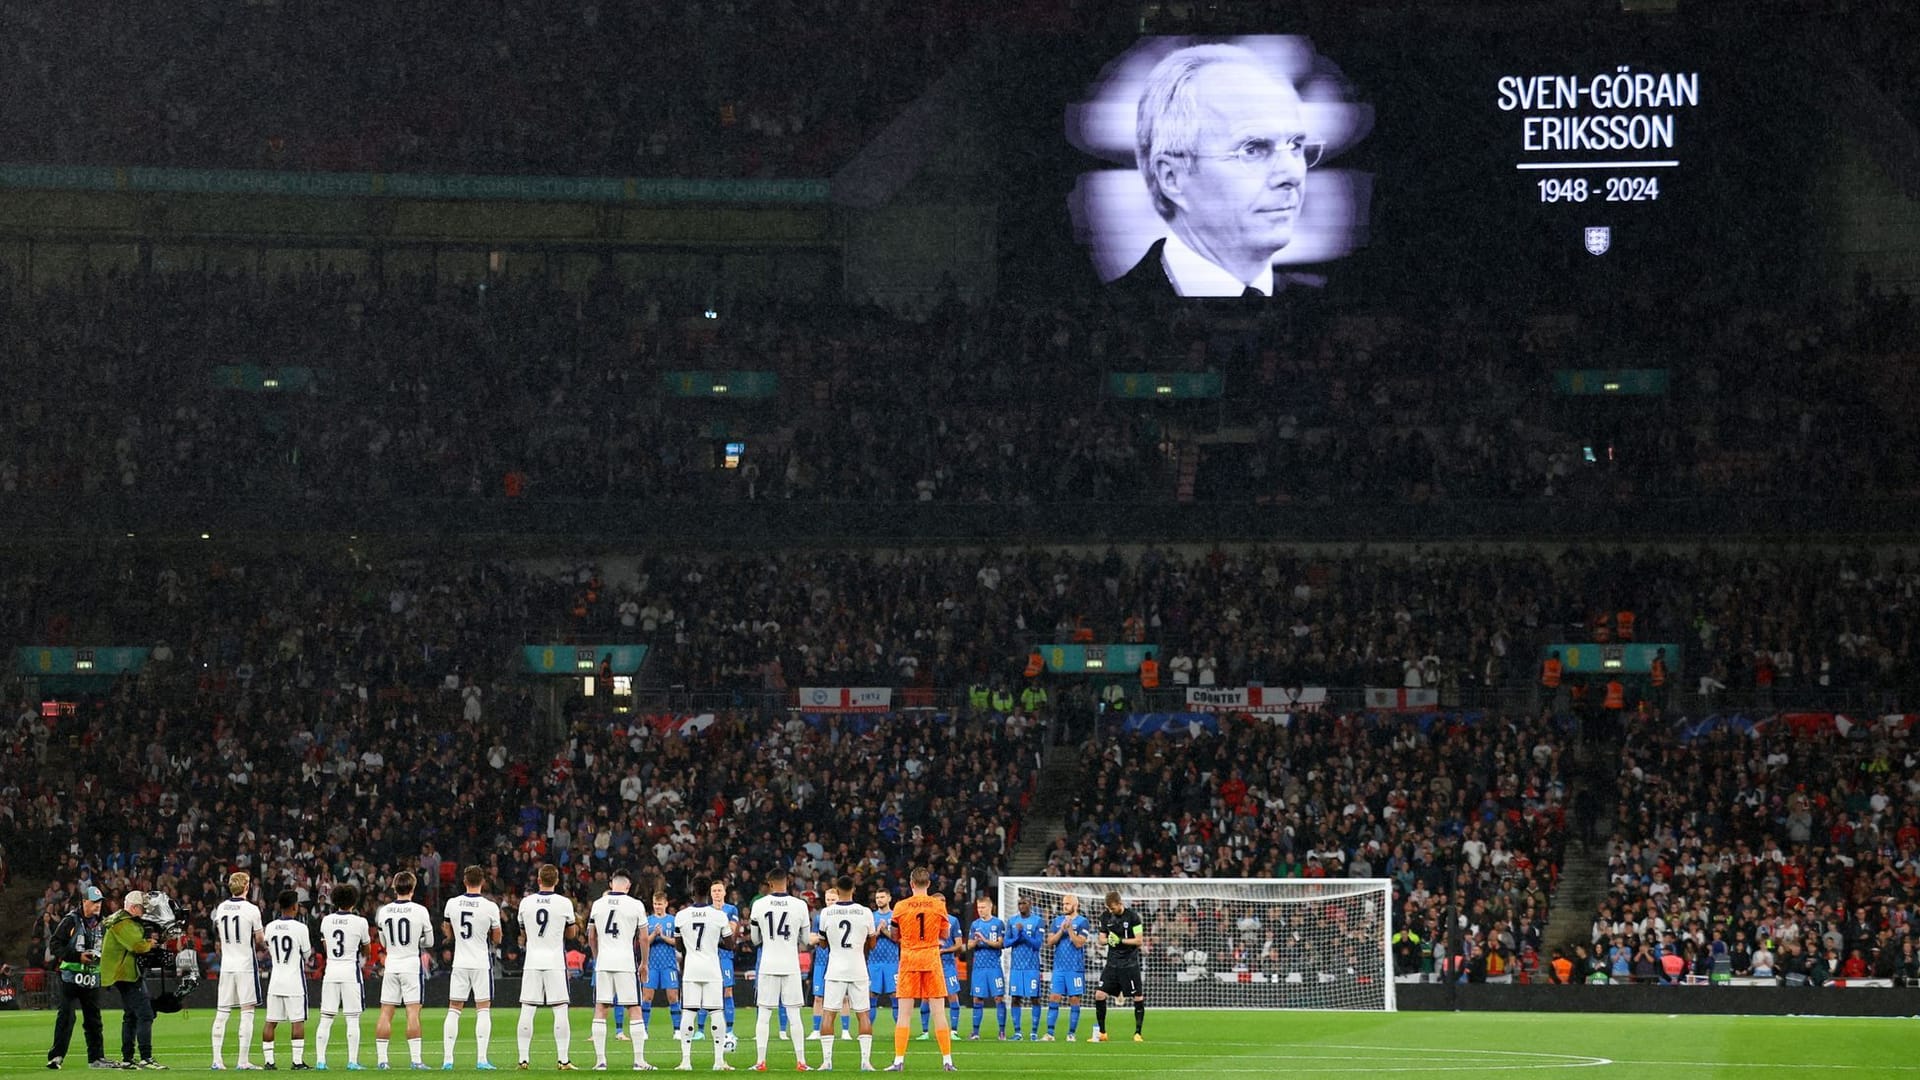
[[353, 1038], [762, 1028], [449, 1035], [246, 1036], [483, 1033], [220, 1034], [525, 1032], [599, 1040], [797, 1033], [322, 1034], [563, 1032]]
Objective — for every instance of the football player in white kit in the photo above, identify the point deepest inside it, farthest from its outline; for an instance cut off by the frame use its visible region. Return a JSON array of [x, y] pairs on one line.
[[472, 923], [289, 947], [703, 931], [344, 938], [405, 928], [546, 922], [237, 926], [613, 930], [777, 922], [847, 929]]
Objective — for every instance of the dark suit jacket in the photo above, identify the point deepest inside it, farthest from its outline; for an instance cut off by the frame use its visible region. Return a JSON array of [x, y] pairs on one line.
[[1148, 278]]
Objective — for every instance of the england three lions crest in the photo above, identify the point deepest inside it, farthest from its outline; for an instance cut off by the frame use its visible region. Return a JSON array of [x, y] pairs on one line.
[[1599, 239]]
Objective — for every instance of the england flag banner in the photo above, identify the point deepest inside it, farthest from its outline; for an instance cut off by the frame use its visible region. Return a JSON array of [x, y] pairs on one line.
[[846, 699], [1256, 699], [1401, 700]]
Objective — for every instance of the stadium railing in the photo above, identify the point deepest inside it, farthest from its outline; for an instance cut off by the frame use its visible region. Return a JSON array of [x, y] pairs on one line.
[[750, 524]]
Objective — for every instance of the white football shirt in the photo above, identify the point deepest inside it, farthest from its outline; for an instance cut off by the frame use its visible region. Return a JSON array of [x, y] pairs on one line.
[[780, 921], [473, 918], [289, 945], [405, 928], [700, 928], [616, 919], [235, 922], [544, 918], [341, 936], [846, 928]]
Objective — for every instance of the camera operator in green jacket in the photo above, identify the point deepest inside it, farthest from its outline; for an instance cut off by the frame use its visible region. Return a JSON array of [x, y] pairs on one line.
[[126, 940]]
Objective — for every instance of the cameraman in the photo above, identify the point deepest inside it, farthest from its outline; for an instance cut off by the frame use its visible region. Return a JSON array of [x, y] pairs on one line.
[[126, 940], [75, 948]]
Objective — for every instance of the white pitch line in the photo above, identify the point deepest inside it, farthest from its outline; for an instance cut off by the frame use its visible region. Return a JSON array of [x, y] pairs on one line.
[[1772, 1065]]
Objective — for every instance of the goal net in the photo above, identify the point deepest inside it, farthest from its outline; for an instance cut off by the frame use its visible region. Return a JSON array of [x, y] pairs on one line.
[[1236, 943]]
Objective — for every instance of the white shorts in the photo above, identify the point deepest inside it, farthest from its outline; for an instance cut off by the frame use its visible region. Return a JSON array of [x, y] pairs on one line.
[[771, 990], [341, 996], [286, 1008], [615, 988], [473, 982], [401, 987], [547, 987], [239, 989], [701, 995], [848, 994]]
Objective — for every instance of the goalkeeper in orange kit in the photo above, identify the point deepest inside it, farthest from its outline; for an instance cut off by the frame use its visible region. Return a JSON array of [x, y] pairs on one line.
[[921, 921]]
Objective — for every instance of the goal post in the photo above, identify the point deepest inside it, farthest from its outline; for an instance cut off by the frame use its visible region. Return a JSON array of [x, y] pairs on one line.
[[1239, 943]]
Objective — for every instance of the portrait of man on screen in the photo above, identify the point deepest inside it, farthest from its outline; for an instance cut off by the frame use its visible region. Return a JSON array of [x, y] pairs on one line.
[[1222, 144]]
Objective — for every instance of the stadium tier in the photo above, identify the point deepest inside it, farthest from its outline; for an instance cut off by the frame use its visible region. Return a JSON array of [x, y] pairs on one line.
[[254, 388], [502, 87]]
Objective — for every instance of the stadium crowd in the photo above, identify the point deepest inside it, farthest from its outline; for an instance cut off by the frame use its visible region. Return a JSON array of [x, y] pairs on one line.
[[581, 88], [1467, 815], [332, 789], [1789, 853], [1756, 631], [1000, 406]]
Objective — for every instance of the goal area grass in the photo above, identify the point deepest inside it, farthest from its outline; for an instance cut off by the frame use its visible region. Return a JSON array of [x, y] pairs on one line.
[[1179, 1043]]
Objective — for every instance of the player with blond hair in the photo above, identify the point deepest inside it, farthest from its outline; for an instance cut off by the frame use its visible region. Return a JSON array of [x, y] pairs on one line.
[[238, 928]]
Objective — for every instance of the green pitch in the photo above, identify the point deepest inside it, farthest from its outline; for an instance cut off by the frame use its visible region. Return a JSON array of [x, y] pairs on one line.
[[1183, 1043]]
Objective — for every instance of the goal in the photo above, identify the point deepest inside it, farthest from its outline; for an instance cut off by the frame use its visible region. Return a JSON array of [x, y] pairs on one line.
[[1239, 943]]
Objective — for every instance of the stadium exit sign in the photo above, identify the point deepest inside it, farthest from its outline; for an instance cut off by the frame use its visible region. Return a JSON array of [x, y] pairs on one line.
[[1601, 382], [572, 660], [722, 384], [1096, 659], [1597, 658]]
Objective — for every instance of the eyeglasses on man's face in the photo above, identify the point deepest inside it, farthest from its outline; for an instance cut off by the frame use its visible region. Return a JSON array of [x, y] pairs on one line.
[[1260, 152]]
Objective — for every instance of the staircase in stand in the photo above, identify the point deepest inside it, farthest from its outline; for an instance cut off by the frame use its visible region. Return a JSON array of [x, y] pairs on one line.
[[1061, 774], [1187, 461]]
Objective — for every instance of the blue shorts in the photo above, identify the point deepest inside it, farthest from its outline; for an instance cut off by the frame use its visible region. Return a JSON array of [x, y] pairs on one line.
[[953, 983], [819, 976], [1024, 984], [663, 977], [988, 982], [1069, 983], [883, 978]]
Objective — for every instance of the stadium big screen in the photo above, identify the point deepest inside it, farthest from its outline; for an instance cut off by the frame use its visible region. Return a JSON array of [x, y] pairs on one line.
[[1395, 158]]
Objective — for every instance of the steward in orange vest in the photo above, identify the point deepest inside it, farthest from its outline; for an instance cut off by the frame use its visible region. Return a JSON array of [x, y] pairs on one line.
[[1616, 695], [1550, 672]]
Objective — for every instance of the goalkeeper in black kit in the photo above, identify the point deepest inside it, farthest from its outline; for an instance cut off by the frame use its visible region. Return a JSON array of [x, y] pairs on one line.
[[1124, 934]]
